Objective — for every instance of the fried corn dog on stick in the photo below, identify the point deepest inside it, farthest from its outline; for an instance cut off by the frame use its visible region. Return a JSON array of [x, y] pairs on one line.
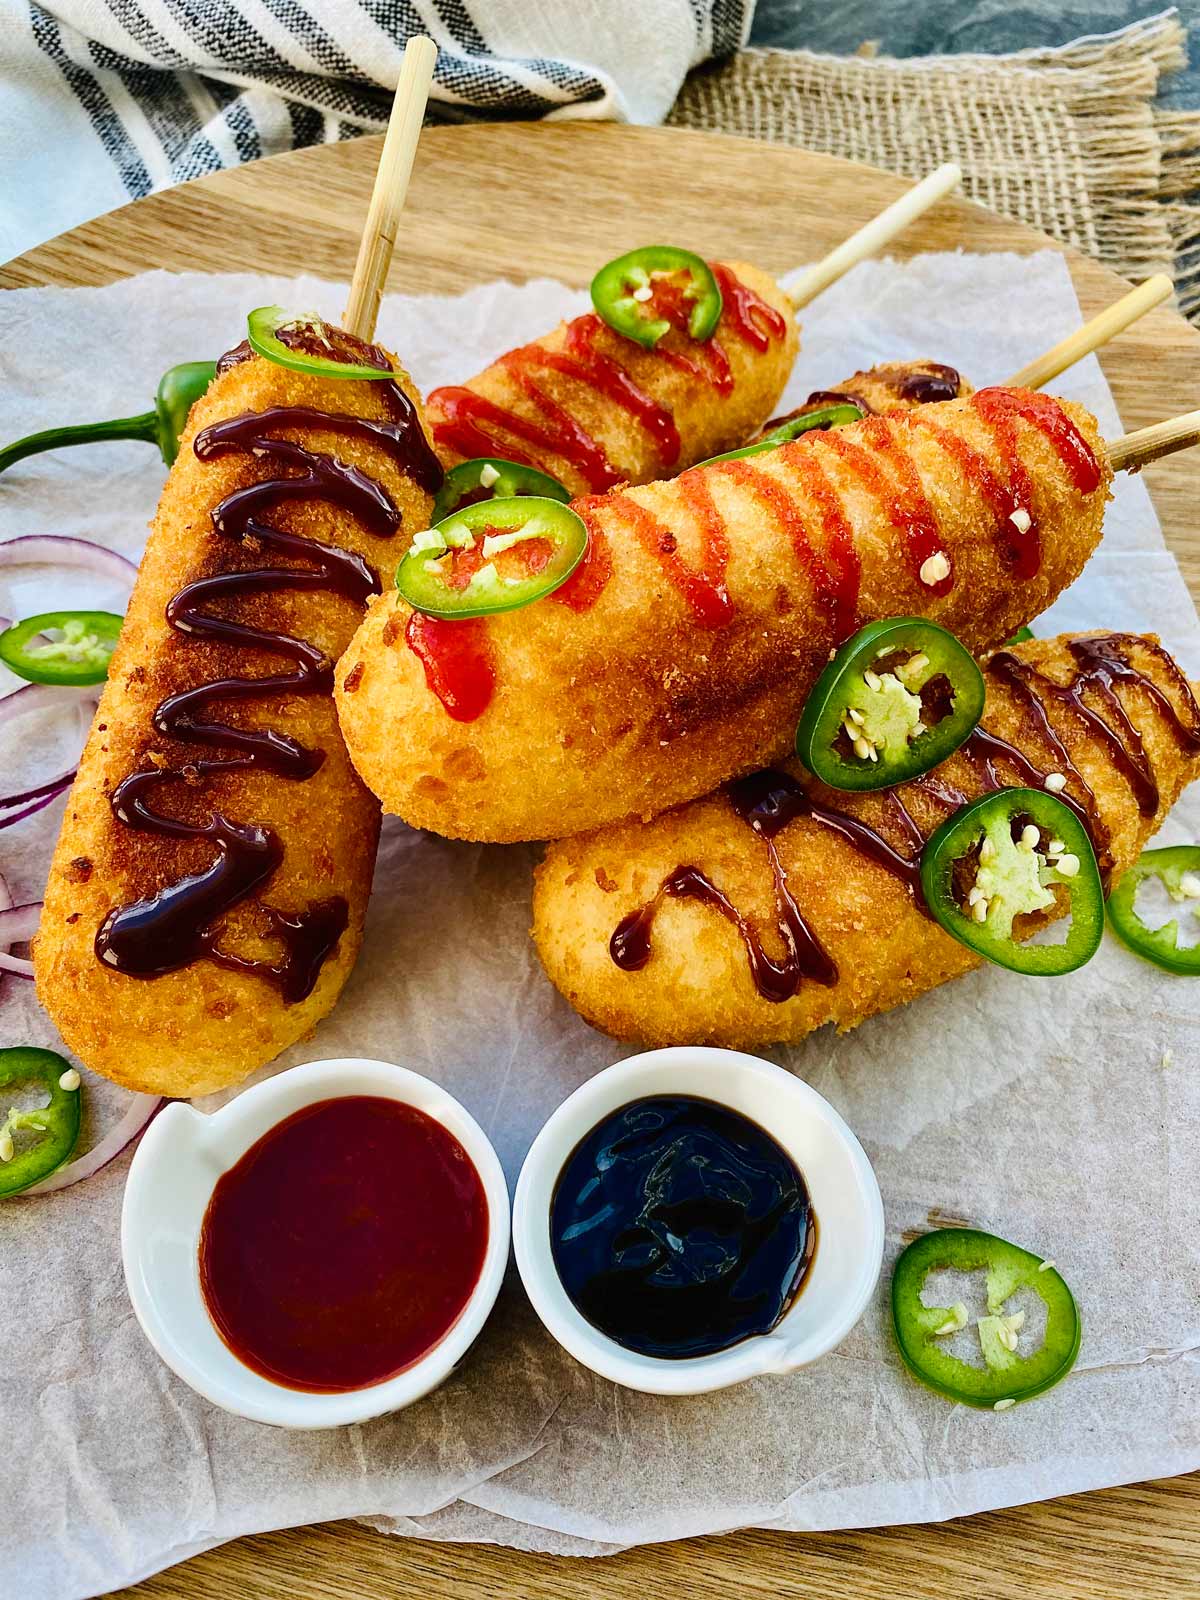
[[891, 386], [1111, 714], [594, 409], [681, 650], [206, 897]]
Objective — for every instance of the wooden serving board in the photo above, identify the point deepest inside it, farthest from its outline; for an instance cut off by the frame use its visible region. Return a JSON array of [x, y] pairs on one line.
[[527, 200]]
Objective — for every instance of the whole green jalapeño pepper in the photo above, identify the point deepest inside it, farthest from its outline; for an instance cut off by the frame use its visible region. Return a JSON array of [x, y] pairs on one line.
[[1008, 1374], [62, 647], [493, 478], [827, 417], [308, 344], [624, 293], [493, 556], [178, 390], [1011, 855], [896, 699], [1177, 867], [54, 1127]]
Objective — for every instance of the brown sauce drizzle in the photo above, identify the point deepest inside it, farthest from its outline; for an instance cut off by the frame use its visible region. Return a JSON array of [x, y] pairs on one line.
[[179, 924], [769, 800]]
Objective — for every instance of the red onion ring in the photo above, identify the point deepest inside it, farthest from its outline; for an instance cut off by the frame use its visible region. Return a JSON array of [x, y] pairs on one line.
[[60, 550], [140, 1112], [13, 705]]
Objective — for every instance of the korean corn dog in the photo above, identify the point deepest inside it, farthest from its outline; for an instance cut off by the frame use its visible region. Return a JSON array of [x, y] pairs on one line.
[[206, 897], [680, 651], [593, 408], [638, 896], [890, 386]]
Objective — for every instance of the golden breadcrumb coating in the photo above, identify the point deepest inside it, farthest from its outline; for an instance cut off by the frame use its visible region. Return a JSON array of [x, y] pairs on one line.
[[633, 705], [203, 1027], [696, 986]]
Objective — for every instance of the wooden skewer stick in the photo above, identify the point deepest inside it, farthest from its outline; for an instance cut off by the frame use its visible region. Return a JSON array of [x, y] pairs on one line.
[[391, 186], [1112, 321], [877, 234], [1133, 451]]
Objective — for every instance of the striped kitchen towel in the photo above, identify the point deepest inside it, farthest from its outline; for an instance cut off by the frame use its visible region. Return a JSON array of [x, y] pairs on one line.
[[105, 100]]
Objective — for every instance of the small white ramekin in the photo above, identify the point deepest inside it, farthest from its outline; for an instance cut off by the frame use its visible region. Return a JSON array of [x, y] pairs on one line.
[[170, 1182], [842, 1187]]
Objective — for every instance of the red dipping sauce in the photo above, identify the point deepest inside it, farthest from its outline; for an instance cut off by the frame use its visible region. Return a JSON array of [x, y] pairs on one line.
[[344, 1245]]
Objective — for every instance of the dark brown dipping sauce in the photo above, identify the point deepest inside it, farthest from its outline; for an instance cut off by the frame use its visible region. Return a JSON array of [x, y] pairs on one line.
[[680, 1227], [344, 1245]]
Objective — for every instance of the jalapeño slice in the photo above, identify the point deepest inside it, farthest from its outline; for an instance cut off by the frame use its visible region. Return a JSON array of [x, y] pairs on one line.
[[494, 556], [309, 344], [493, 478], [1177, 868], [62, 647], [1002, 859], [35, 1143], [1008, 1375], [623, 293], [896, 699], [827, 417]]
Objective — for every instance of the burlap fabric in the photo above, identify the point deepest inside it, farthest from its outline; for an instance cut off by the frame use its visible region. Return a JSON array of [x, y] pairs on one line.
[[1067, 140]]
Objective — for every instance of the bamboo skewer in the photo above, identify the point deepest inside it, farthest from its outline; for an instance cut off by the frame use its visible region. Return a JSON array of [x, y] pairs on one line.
[[1098, 331], [1133, 451], [391, 187], [877, 234]]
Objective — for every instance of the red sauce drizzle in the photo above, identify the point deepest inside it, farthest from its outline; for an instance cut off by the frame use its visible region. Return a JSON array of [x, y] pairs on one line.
[[1043, 412], [835, 579], [1024, 549], [458, 662], [704, 590], [590, 578], [614, 382], [754, 321], [771, 799], [465, 415], [344, 1245], [903, 502]]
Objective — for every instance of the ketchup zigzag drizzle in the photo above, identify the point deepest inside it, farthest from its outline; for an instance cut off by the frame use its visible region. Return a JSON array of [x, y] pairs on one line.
[[472, 425], [877, 456], [179, 924], [769, 800]]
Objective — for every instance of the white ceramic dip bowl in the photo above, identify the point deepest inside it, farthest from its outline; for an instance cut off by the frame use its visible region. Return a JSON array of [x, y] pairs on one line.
[[842, 1189], [170, 1183]]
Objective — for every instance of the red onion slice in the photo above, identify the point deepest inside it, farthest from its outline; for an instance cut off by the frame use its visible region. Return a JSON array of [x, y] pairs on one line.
[[35, 697], [141, 1109], [17, 925], [59, 550], [15, 705], [57, 788]]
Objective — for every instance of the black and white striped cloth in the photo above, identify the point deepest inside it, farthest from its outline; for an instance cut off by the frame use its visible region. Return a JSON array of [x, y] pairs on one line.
[[105, 100]]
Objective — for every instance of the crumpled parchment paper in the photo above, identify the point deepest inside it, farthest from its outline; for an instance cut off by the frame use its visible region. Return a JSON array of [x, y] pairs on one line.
[[1062, 1115]]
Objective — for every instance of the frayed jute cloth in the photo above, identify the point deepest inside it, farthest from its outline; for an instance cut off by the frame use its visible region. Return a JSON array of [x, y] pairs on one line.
[[1067, 140]]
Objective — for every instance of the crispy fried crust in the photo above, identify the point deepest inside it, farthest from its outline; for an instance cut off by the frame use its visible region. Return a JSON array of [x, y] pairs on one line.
[[696, 987], [708, 422], [204, 1027], [631, 707]]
